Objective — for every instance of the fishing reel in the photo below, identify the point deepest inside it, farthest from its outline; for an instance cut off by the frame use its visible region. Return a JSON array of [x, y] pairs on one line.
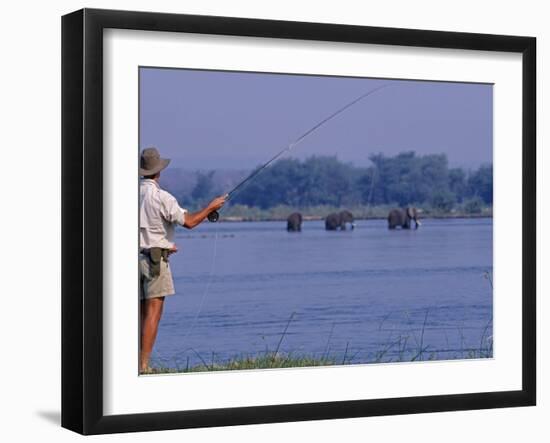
[[213, 216]]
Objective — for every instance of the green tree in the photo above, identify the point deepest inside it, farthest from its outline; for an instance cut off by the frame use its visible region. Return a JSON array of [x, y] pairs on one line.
[[328, 181], [315, 181], [480, 183], [443, 200], [203, 188], [405, 178], [458, 183], [401, 180], [473, 205]]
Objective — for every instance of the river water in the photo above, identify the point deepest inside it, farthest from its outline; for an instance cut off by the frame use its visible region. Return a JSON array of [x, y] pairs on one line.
[[366, 295]]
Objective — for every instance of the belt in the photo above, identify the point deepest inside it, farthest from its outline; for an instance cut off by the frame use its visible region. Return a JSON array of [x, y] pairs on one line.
[[147, 251]]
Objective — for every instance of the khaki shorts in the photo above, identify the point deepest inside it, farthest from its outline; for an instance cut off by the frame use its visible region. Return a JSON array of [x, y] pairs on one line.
[[160, 286]]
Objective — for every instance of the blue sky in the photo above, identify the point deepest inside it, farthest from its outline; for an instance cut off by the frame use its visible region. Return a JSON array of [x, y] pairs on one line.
[[235, 120]]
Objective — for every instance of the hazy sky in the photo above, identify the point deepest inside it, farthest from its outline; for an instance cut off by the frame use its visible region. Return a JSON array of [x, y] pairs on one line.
[[211, 120]]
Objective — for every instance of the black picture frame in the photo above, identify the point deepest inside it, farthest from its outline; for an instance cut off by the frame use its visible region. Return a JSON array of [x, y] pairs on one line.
[[82, 218]]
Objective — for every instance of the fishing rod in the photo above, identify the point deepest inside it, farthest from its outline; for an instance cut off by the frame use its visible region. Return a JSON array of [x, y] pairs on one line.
[[214, 215]]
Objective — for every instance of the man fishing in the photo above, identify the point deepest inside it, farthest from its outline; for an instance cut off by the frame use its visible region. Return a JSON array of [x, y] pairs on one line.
[[158, 216], [160, 212]]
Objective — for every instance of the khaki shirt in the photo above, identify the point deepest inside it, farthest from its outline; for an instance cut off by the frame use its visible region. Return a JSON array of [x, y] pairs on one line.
[[159, 212]]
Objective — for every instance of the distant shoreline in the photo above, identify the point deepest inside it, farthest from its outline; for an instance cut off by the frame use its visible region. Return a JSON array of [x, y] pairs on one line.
[[242, 213], [232, 219]]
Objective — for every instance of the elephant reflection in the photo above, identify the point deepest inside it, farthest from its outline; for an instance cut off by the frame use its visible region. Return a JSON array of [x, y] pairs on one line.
[[403, 217], [339, 220], [294, 222]]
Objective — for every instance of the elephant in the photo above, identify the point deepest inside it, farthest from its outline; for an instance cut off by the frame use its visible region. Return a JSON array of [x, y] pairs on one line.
[[339, 220], [403, 217], [294, 222]]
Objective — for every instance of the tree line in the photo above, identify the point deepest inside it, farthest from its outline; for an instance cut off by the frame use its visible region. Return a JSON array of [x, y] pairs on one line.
[[403, 179]]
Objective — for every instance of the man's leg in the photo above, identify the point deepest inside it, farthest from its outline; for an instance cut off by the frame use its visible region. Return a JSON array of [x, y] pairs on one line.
[[151, 311]]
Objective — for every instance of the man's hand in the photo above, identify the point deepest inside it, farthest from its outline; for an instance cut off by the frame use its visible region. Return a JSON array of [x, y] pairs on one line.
[[193, 219], [217, 203], [172, 250]]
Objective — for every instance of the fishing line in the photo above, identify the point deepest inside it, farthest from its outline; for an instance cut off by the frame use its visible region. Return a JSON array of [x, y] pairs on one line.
[[208, 283], [214, 215]]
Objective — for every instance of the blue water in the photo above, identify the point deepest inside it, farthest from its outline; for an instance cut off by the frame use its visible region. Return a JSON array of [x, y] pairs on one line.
[[365, 295]]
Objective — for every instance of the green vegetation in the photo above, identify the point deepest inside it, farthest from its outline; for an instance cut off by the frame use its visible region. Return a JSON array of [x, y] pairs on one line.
[[318, 184], [250, 362], [400, 353], [203, 188]]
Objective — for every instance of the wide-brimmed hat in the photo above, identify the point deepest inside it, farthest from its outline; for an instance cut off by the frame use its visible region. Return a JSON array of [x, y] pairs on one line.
[[151, 163]]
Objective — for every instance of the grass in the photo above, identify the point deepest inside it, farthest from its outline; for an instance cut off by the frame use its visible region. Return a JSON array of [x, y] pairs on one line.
[[291, 360], [267, 361]]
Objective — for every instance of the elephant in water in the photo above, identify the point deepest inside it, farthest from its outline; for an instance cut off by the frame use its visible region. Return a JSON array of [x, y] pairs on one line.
[[403, 217], [294, 222], [339, 220]]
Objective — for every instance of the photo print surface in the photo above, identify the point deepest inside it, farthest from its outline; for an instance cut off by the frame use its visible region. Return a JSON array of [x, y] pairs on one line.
[[357, 225]]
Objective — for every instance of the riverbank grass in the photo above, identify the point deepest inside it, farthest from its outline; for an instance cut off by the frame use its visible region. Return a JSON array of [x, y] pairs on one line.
[[270, 361], [290, 360]]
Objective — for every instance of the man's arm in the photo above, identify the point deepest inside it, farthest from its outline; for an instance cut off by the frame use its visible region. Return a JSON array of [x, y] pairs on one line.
[[195, 218]]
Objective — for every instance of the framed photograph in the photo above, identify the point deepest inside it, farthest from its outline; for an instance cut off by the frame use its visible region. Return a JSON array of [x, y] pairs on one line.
[[268, 221]]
